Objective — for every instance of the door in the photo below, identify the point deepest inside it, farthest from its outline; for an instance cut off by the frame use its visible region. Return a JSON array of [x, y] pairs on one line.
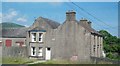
[[48, 53]]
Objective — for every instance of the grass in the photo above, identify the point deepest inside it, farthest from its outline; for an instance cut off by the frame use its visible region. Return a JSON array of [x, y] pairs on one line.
[[58, 62], [54, 62], [67, 62], [101, 62], [12, 60]]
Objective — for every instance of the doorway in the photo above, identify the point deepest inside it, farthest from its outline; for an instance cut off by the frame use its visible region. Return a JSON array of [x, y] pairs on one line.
[[48, 53]]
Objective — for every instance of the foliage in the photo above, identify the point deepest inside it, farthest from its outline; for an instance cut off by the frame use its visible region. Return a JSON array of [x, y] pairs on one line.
[[111, 45]]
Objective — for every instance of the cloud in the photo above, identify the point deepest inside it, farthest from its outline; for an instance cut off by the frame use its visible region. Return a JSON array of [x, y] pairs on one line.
[[56, 3], [10, 15], [26, 25], [22, 19], [13, 15]]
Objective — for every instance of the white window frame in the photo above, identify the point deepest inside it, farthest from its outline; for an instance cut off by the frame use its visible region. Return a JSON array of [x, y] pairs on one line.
[[33, 37], [32, 51], [40, 52], [40, 37]]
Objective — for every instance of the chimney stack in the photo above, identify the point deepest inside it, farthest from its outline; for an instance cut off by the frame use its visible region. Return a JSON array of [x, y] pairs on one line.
[[89, 23], [86, 22], [70, 15]]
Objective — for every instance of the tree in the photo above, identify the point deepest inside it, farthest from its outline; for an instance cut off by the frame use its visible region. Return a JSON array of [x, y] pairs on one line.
[[111, 44]]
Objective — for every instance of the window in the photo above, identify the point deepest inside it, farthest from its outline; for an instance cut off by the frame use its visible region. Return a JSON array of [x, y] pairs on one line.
[[40, 51], [97, 46], [40, 37], [94, 47], [85, 31], [33, 51], [0, 43], [33, 37], [8, 43]]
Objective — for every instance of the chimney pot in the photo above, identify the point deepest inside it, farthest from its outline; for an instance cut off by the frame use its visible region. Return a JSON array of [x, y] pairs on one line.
[[70, 15]]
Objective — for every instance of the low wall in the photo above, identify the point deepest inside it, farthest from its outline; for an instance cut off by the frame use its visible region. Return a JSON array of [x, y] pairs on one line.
[[14, 52], [97, 60]]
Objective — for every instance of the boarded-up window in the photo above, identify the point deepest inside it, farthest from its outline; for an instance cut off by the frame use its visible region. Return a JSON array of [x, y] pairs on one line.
[[8, 43]]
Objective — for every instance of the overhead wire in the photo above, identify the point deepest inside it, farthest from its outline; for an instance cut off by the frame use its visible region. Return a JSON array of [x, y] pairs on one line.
[[92, 15]]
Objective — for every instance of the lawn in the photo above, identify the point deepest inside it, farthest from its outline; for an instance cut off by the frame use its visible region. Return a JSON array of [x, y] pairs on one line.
[[13, 60]]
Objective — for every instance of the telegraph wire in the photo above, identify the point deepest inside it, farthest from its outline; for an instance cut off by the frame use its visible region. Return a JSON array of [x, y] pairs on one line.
[[87, 17], [91, 15], [113, 28], [98, 27]]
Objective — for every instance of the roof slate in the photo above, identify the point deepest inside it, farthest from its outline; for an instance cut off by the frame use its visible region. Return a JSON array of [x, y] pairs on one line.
[[90, 29], [14, 32]]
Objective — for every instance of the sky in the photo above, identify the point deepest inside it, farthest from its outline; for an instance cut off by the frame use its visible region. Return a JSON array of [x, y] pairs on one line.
[[25, 13]]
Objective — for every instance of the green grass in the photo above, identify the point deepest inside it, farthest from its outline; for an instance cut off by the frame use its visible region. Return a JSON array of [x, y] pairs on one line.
[[58, 62], [11, 60], [67, 62]]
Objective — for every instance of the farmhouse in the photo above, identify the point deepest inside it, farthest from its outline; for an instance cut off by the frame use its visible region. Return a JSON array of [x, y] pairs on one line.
[[72, 40]]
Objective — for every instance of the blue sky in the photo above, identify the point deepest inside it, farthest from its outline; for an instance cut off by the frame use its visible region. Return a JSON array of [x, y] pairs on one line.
[[25, 13]]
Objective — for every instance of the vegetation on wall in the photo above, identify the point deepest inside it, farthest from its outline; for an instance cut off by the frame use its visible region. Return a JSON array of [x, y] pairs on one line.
[[111, 45]]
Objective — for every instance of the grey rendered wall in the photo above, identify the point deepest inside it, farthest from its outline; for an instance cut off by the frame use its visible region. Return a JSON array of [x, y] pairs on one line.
[[69, 40]]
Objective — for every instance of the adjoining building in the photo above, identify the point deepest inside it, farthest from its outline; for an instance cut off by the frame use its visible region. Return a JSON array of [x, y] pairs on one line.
[[72, 40], [47, 40]]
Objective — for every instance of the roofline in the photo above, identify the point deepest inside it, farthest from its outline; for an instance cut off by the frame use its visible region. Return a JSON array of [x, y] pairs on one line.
[[13, 37], [37, 31], [96, 34]]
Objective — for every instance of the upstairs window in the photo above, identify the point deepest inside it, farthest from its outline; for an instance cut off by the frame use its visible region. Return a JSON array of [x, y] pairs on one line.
[[40, 37], [33, 37]]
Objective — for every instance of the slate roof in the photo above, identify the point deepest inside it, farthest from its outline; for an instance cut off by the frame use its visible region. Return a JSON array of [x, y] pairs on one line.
[[90, 29], [14, 33], [52, 23]]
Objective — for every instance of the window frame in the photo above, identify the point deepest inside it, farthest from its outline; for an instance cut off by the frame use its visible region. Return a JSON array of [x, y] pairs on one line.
[[40, 37], [40, 51], [32, 54], [33, 39]]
